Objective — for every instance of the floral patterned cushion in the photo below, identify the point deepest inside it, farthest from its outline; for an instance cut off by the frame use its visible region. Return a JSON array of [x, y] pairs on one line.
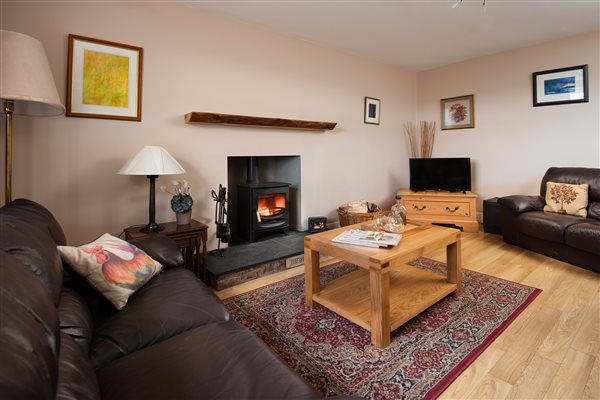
[[563, 198], [112, 266]]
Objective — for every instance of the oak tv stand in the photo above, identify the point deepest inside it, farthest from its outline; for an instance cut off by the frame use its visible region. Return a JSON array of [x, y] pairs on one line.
[[458, 208]]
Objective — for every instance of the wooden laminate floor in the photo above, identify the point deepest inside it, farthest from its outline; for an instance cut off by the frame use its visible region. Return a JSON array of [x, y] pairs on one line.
[[551, 351]]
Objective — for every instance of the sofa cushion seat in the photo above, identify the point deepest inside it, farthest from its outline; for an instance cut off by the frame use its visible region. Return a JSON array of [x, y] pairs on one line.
[[227, 361], [75, 318], [545, 225], [76, 377], [172, 302], [584, 236]]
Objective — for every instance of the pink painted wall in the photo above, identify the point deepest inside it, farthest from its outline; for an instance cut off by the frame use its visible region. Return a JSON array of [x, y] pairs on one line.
[[199, 62], [514, 143]]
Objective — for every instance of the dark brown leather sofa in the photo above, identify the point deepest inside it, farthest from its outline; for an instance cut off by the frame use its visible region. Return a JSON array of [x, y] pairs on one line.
[[173, 340], [572, 239]]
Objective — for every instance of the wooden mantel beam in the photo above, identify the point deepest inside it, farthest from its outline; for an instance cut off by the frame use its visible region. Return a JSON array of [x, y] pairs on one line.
[[231, 119]]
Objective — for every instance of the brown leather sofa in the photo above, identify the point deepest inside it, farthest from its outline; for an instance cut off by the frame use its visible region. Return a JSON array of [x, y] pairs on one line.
[[173, 340], [572, 239]]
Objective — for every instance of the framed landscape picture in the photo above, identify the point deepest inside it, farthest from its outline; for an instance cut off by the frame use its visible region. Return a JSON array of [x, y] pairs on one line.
[[372, 110], [458, 112], [560, 86], [104, 79]]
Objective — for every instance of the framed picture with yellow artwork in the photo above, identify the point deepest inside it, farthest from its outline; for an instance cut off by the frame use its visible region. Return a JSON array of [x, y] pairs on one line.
[[104, 79]]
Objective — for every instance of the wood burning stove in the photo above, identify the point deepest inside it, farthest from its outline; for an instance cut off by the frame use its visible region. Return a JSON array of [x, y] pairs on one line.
[[263, 207]]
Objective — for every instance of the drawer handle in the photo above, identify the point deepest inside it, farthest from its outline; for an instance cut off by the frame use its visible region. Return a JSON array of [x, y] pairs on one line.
[[455, 209], [416, 207]]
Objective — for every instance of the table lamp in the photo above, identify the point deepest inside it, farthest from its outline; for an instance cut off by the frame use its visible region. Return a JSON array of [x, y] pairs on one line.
[[26, 88], [152, 161]]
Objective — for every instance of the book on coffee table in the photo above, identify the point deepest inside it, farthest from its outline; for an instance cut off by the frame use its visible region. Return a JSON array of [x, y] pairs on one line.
[[368, 238]]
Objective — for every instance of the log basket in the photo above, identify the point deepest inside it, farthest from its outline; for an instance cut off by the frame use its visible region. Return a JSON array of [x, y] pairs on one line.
[[349, 218]]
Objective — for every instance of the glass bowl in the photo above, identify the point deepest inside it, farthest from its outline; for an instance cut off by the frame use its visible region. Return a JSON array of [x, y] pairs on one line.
[[389, 221]]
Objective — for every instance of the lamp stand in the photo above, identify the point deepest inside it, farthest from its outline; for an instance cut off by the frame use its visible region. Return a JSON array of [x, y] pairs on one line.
[[152, 225], [9, 108]]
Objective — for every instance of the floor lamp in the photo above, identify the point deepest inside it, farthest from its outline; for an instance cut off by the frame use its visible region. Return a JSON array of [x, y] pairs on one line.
[[26, 88], [152, 161]]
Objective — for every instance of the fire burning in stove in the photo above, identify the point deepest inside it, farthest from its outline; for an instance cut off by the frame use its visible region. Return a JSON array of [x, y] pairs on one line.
[[271, 204]]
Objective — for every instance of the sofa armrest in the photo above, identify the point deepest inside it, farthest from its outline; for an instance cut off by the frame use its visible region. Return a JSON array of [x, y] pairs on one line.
[[520, 203], [161, 248]]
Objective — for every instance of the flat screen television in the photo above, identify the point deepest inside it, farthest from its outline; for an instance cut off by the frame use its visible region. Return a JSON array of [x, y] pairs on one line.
[[443, 174]]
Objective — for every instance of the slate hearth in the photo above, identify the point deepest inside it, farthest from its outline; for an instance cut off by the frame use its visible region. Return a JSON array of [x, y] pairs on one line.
[[244, 262]]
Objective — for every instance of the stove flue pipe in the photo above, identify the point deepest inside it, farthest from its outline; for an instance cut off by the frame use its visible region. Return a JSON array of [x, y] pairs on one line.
[[251, 170]]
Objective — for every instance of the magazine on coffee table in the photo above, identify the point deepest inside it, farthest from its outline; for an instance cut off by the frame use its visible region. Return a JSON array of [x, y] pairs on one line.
[[368, 238]]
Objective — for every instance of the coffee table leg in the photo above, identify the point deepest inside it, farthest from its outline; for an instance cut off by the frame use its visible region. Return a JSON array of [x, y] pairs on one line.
[[312, 281], [380, 308], [454, 262]]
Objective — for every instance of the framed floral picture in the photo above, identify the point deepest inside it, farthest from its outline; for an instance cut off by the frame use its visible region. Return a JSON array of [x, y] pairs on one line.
[[458, 112], [104, 79], [560, 86], [372, 110]]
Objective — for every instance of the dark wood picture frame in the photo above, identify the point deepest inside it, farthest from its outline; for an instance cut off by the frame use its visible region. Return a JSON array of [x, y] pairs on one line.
[[372, 110], [560, 86], [455, 110], [77, 106]]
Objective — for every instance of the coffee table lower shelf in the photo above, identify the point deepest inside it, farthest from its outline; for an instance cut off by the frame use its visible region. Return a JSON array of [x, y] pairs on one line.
[[412, 291]]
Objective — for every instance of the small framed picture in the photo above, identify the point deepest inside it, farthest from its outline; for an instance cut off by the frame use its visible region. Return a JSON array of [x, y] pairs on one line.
[[104, 79], [560, 86], [372, 110], [458, 112]]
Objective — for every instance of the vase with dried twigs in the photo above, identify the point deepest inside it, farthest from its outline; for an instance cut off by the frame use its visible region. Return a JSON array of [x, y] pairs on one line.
[[427, 138], [420, 145], [413, 142]]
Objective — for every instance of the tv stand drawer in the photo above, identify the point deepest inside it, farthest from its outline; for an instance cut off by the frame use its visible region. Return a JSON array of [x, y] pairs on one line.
[[455, 208]]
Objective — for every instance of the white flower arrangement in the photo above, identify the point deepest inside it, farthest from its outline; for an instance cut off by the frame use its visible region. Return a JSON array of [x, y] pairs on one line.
[[180, 188]]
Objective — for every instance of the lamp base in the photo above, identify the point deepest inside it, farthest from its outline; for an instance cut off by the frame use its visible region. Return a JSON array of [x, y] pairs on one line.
[[152, 227]]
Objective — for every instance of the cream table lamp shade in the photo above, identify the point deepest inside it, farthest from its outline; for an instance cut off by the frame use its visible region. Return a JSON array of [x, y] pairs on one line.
[[152, 161]]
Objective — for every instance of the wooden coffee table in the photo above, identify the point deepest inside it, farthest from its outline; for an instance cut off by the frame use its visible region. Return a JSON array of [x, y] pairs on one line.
[[384, 292]]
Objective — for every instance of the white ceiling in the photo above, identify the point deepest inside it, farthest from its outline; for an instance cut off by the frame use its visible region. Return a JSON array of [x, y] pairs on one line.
[[415, 34]]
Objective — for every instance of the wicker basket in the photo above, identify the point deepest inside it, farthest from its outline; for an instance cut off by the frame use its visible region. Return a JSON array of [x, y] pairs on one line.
[[349, 218]]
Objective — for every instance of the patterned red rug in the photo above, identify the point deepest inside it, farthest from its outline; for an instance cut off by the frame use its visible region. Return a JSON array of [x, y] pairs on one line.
[[425, 356]]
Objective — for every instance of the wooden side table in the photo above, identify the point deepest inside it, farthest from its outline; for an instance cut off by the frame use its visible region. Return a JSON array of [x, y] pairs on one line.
[[190, 238]]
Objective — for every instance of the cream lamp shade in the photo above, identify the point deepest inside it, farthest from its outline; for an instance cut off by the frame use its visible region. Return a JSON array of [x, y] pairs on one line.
[[25, 76], [26, 88], [152, 161]]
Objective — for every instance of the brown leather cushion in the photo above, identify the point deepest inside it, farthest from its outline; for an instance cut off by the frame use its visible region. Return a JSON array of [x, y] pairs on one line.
[[38, 215], [162, 249], [76, 376], [545, 225], [33, 245], [75, 318], [172, 302], [29, 334], [214, 361], [594, 210], [584, 236]]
